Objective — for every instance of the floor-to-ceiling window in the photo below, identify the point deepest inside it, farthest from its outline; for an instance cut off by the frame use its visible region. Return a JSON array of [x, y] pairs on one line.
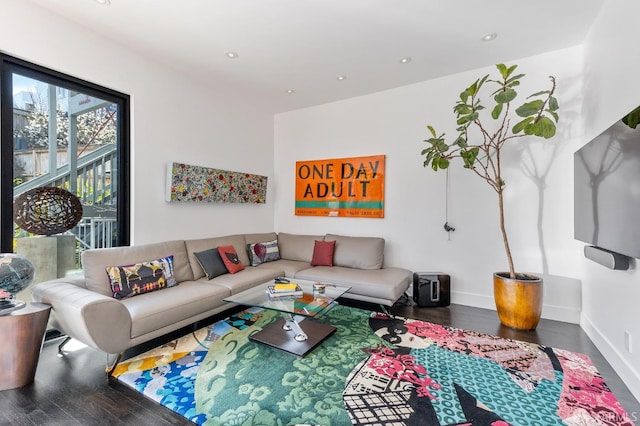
[[59, 131]]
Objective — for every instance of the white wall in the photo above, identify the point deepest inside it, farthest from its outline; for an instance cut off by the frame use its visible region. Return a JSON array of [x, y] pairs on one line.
[[393, 123], [173, 119], [612, 89]]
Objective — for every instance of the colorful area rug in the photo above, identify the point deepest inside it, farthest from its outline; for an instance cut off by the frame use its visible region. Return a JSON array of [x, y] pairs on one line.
[[375, 370]]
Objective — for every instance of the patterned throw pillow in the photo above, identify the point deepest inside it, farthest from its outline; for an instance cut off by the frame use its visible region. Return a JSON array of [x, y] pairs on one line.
[[263, 252], [230, 258], [140, 278]]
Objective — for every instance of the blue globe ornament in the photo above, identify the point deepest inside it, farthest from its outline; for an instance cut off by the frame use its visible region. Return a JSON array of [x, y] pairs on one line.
[[16, 273]]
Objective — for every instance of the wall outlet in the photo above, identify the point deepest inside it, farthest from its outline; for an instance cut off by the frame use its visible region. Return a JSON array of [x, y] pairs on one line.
[[627, 341]]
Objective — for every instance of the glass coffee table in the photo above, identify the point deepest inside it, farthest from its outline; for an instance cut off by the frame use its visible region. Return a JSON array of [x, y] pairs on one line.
[[296, 332]]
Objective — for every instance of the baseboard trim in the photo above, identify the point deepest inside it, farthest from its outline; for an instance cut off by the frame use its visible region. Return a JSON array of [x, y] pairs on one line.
[[552, 312], [622, 367], [561, 313], [473, 299]]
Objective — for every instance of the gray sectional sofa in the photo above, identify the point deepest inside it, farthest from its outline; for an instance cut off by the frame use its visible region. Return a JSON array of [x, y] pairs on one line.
[[83, 306]]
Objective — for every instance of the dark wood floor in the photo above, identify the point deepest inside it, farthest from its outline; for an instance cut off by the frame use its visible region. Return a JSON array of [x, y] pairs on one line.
[[73, 389]]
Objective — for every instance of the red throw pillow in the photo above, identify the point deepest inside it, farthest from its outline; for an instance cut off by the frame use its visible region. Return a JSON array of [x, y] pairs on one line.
[[230, 259], [323, 253]]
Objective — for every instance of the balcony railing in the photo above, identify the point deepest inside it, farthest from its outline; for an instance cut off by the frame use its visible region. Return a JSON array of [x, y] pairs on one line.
[[90, 180]]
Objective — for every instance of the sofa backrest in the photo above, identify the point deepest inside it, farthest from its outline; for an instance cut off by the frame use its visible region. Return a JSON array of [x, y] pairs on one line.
[[260, 238], [238, 242], [95, 261], [297, 247], [357, 252]]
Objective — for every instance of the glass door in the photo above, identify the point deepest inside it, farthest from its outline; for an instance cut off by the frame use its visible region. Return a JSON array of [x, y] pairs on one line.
[[68, 138]]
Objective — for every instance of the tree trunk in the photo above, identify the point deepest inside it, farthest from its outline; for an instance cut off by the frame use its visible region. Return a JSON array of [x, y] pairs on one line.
[[512, 272]]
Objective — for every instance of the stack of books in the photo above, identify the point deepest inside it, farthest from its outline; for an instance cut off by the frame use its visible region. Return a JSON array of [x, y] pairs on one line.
[[285, 290]]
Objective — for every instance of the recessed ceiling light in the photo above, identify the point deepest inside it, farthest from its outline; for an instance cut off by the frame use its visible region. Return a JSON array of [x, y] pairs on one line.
[[104, 2], [489, 37], [405, 60], [290, 91], [341, 77], [232, 55]]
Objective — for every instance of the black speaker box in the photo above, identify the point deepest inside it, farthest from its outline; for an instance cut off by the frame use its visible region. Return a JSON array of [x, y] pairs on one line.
[[431, 289]]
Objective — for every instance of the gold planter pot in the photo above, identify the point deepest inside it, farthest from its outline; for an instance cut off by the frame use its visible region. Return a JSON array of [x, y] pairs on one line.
[[518, 301]]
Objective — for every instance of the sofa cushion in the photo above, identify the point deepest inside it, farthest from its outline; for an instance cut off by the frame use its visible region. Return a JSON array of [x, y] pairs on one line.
[[95, 261], [248, 278], [140, 278], [192, 246], [263, 252], [357, 252], [323, 253], [154, 311], [387, 283], [230, 258], [297, 247], [211, 263], [284, 267]]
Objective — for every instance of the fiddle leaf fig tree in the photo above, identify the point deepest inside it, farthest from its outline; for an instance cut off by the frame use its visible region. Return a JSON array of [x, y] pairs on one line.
[[482, 133]]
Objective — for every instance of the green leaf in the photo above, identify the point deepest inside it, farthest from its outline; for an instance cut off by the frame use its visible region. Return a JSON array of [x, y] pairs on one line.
[[530, 108], [461, 141], [432, 131], [505, 96], [547, 128], [544, 92], [497, 110], [469, 157], [502, 68], [553, 104], [531, 129], [553, 114], [462, 109], [482, 80], [441, 145], [467, 118], [520, 126], [632, 119], [473, 89], [443, 163], [511, 69], [514, 81]]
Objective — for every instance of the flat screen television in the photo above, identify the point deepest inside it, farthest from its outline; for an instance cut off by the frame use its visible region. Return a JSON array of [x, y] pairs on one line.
[[607, 191]]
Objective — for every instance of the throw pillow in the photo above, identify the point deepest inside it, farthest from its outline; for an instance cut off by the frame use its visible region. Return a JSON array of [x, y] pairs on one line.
[[230, 259], [211, 263], [140, 278], [323, 253], [263, 252]]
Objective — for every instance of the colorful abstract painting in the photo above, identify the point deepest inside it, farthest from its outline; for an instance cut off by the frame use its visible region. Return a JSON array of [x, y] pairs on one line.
[[188, 183]]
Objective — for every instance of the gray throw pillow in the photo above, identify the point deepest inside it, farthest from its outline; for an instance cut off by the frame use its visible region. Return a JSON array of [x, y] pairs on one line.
[[211, 263]]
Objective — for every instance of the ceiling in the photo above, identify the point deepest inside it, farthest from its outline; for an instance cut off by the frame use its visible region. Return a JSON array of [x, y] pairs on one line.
[[304, 45]]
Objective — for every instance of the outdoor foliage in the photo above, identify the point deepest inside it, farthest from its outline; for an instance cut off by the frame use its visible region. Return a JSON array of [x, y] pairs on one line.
[[96, 127]]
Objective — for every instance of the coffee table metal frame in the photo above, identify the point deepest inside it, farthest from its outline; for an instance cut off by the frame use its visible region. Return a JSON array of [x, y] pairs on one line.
[[296, 332]]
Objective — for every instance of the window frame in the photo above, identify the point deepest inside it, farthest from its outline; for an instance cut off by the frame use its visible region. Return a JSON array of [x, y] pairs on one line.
[[10, 65]]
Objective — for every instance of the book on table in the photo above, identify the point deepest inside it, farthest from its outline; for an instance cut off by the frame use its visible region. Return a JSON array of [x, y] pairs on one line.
[[285, 290]]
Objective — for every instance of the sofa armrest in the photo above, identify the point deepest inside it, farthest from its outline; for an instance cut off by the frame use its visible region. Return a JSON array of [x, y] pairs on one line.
[[99, 321]]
